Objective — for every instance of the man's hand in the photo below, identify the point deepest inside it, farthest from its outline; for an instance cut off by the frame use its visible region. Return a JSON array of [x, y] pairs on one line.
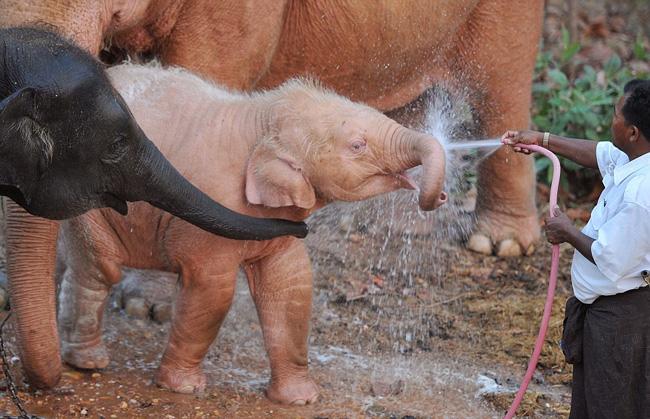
[[559, 229], [522, 137]]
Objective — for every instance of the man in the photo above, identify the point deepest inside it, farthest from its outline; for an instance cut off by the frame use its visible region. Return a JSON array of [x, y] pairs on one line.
[[607, 323]]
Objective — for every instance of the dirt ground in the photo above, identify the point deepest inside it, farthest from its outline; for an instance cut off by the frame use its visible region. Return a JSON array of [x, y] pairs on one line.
[[406, 323]]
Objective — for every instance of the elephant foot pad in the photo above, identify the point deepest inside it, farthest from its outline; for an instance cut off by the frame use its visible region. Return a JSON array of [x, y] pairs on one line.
[[294, 392], [186, 382], [87, 357]]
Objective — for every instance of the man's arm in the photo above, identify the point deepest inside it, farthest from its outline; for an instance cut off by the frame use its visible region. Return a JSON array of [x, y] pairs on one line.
[[582, 152], [560, 229], [582, 243]]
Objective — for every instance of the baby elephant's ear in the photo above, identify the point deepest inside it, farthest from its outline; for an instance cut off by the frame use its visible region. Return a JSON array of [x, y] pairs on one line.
[[34, 147], [20, 104], [274, 179]]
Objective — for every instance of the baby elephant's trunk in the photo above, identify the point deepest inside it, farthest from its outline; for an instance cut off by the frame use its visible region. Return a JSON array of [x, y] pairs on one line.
[[415, 148]]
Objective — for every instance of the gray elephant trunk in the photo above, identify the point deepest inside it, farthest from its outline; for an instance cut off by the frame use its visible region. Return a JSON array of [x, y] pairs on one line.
[[166, 189]]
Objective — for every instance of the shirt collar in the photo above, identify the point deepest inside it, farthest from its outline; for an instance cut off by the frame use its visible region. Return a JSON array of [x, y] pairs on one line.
[[624, 171]]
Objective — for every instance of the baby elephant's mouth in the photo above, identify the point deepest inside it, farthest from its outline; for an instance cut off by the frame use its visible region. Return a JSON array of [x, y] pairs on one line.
[[405, 181]]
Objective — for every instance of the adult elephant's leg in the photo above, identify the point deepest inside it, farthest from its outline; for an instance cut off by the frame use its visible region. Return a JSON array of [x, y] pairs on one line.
[[84, 293], [495, 54], [31, 256], [202, 304], [281, 285]]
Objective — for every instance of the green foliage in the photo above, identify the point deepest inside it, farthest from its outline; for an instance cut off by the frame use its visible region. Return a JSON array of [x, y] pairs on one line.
[[574, 100], [639, 50]]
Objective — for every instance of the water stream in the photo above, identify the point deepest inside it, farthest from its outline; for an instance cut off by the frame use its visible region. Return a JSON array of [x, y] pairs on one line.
[[491, 143], [401, 243]]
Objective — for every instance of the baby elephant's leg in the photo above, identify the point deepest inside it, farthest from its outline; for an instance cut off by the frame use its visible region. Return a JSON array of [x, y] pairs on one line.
[[281, 285], [201, 306], [84, 292]]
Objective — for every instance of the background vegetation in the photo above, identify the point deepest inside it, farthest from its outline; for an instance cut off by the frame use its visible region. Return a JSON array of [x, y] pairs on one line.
[[586, 57]]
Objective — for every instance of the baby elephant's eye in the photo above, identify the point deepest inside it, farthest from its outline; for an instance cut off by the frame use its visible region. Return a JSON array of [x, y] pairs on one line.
[[118, 143], [116, 149], [358, 146]]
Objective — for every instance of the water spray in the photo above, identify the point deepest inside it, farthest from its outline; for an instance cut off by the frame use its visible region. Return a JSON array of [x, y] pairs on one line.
[[486, 146], [555, 259], [472, 144], [439, 116], [555, 256]]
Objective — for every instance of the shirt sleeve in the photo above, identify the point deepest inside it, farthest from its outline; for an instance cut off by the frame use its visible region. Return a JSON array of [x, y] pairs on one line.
[[623, 243], [608, 157]]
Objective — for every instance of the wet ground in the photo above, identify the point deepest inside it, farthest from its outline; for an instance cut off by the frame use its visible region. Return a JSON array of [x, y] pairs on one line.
[[405, 323]]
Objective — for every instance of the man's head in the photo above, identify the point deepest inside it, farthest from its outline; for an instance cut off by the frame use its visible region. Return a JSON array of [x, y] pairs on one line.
[[631, 124]]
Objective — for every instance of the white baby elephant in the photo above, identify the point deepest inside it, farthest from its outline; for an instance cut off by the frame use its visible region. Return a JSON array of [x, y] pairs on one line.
[[284, 154]]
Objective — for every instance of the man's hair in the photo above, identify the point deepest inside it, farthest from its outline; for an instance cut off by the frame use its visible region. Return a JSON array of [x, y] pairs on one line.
[[636, 109]]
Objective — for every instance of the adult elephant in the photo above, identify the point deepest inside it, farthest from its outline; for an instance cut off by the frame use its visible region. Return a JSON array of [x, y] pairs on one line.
[[383, 53]]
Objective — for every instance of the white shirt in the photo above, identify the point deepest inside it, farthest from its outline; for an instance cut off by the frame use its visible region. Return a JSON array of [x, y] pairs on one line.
[[620, 225]]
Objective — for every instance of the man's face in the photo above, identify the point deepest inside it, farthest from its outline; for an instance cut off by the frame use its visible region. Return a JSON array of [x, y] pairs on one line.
[[620, 126]]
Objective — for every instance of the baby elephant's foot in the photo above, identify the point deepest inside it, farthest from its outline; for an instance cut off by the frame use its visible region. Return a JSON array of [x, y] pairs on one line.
[[295, 390], [84, 356], [187, 382]]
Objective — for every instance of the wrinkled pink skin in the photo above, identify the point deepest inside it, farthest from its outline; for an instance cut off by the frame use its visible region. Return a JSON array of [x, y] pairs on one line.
[[289, 153], [484, 46]]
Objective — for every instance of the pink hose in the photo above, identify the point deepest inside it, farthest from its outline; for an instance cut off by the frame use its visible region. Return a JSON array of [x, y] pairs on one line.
[[555, 259]]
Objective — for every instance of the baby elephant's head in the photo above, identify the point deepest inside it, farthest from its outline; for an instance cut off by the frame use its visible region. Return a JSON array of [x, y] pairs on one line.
[[70, 150], [68, 144], [323, 147]]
